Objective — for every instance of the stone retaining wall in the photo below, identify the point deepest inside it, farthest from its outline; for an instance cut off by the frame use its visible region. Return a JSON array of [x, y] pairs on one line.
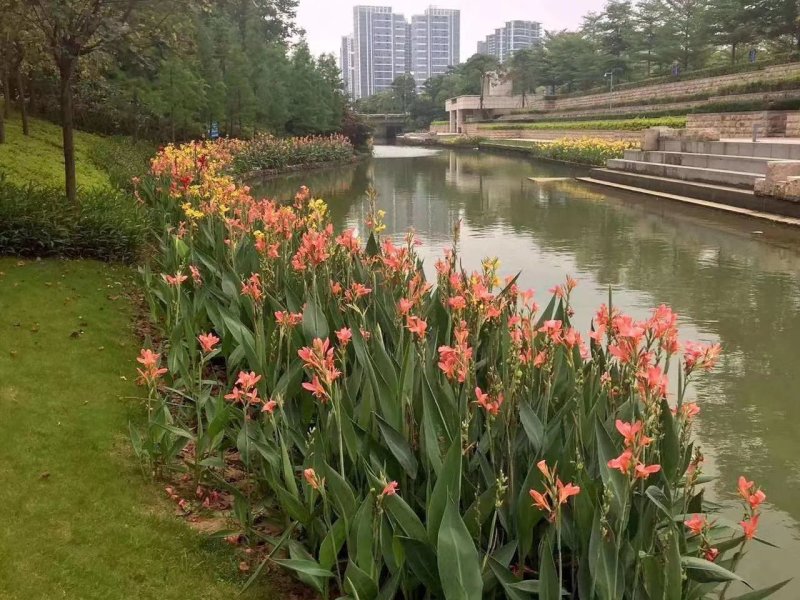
[[770, 123], [445, 128]]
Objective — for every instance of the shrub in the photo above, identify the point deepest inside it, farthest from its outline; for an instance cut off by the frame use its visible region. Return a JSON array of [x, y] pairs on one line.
[[122, 159], [266, 152], [38, 221], [635, 124], [419, 441]]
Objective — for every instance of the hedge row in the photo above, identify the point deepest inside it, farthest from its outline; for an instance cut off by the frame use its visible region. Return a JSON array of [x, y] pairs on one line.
[[635, 124]]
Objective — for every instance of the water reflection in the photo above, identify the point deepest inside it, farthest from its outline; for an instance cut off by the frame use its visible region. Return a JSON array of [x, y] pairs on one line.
[[729, 283]]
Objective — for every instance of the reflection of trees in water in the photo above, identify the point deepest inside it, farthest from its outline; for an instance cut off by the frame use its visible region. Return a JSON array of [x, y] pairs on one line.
[[707, 266]]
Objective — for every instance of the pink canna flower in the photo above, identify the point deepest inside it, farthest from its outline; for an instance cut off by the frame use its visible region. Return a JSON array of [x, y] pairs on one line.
[[416, 326], [151, 372], [344, 335], [316, 388], [247, 380], [311, 478], [457, 303], [176, 279], [542, 466], [711, 554], [404, 306], [485, 400], [390, 489], [696, 524], [196, 277], [208, 341], [269, 406]]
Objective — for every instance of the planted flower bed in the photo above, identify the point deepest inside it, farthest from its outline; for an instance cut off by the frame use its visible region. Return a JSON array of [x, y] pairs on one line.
[[412, 440], [269, 153]]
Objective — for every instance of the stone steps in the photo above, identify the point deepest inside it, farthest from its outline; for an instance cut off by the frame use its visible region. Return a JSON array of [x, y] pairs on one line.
[[736, 179], [718, 194], [763, 149], [724, 162], [784, 220]]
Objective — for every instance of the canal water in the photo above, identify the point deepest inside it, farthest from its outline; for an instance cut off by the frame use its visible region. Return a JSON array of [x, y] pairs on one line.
[[732, 280]]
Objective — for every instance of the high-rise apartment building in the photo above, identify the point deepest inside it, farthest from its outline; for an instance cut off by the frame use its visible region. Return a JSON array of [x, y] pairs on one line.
[[347, 63], [380, 49], [384, 45], [515, 35], [435, 42]]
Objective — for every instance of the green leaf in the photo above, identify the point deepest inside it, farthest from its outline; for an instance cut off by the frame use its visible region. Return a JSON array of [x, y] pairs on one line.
[[315, 325], [548, 576], [405, 517], [447, 487], [532, 425], [659, 498], [343, 498], [332, 544], [422, 561], [359, 583], [399, 447], [304, 566], [509, 582], [702, 570], [612, 479], [763, 592], [459, 567], [604, 565]]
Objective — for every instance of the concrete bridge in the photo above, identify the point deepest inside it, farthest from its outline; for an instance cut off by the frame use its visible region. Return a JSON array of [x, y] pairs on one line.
[[385, 126]]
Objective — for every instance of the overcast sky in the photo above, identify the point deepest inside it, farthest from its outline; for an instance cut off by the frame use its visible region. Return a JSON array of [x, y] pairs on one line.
[[326, 21]]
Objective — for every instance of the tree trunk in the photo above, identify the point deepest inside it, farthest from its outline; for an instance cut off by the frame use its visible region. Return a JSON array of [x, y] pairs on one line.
[[23, 109], [6, 92], [733, 54], [2, 129], [66, 68]]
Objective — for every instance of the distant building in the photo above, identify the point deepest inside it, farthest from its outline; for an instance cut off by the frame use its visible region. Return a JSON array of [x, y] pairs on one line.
[[435, 42], [347, 64], [516, 35], [384, 45]]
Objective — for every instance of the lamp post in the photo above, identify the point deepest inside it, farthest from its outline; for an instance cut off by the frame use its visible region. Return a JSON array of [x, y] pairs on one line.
[[610, 76]]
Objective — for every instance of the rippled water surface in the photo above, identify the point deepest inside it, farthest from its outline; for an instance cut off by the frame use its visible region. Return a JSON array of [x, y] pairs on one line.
[[732, 280]]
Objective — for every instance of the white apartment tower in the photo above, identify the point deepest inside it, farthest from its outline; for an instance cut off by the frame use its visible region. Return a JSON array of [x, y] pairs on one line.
[[380, 49], [435, 42], [384, 45], [515, 35], [347, 64]]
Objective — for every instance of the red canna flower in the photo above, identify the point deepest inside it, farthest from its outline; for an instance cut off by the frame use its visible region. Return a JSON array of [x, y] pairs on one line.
[[404, 306], [750, 527], [269, 406], [696, 524], [539, 501], [643, 472], [711, 554], [566, 491], [208, 341], [623, 462], [485, 400], [196, 277]]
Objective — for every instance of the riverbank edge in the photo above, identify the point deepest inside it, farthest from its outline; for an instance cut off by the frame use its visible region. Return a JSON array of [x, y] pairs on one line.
[[267, 174]]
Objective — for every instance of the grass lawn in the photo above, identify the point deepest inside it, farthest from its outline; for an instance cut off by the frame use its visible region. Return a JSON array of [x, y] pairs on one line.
[[79, 520], [39, 157]]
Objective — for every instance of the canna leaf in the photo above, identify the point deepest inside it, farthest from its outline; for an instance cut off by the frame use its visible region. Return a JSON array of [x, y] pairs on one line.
[[447, 488], [459, 567], [315, 325], [399, 447]]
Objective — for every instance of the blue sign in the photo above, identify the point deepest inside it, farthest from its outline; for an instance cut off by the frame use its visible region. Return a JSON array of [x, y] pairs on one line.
[[214, 131]]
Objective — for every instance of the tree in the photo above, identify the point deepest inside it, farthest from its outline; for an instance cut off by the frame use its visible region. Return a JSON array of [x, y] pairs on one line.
[[404, 88], [72, 29], [649, 22], [475, 72], [523, 70], [687, 28], [732, 22], [612, 31]]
